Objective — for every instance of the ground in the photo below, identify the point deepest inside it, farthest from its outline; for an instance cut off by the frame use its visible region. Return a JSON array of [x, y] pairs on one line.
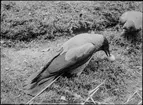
[[116, 82], [32, 32]]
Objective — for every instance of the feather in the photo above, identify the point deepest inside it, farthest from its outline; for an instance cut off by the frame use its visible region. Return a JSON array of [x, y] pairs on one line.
[[36, 88], [74, 53], [36, 81], [131, 19]]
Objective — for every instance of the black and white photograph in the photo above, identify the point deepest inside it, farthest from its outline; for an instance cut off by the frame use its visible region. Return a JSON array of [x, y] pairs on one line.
[[71, 52]]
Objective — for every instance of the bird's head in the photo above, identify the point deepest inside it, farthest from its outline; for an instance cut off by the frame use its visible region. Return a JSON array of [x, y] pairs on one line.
[[129, 26], [105, 48]]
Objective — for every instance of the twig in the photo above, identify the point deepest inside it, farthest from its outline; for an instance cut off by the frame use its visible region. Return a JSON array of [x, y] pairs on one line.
[[131, 97], [93, 91], [140, 102], [139, 95], [43, 90], [95, 102]]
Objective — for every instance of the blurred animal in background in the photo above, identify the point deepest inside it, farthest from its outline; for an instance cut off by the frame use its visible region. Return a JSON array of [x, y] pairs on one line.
[[72, 58], [131, 22]]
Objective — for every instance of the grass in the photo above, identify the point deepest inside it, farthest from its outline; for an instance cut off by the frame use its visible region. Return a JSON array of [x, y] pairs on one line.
[[51, 19], [122, 77], [19, 59]]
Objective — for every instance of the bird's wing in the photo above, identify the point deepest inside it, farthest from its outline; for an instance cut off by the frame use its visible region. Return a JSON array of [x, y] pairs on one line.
[[71, 59], [138, 21], [35, 77], [61, 63], [64, 63]]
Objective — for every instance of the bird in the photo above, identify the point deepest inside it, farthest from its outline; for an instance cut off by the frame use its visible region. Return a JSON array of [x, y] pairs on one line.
[[73, 56], [131, 21]]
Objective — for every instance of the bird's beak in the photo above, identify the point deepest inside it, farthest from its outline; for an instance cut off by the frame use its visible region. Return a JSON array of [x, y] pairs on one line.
[[110, 57], [107, 52], [105, 47]]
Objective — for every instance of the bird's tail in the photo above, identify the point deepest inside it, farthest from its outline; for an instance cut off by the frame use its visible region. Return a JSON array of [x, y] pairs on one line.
[[39, 80], [36, 79], [34, 88]]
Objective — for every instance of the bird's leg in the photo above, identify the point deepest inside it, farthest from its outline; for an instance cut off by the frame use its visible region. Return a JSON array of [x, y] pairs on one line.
[[79, 70], [83, 67], [78, 74]]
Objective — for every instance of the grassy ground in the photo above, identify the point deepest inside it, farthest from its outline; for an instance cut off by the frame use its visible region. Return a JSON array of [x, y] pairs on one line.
[[123, 77], [24, 20], [22, 55]]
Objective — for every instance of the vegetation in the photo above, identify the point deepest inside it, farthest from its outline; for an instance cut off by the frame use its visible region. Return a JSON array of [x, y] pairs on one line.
[[55, 22], [27, 20]]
